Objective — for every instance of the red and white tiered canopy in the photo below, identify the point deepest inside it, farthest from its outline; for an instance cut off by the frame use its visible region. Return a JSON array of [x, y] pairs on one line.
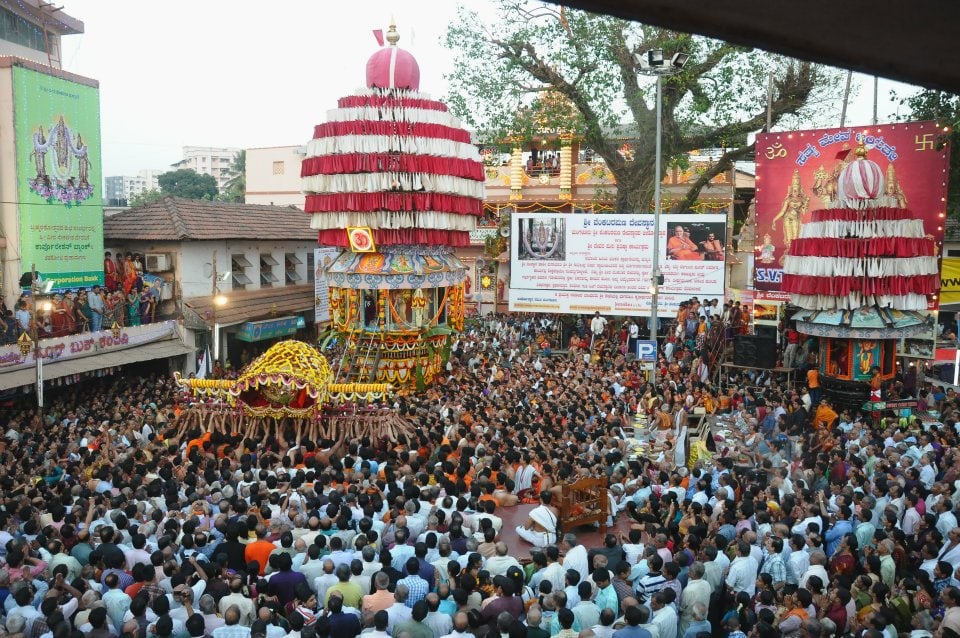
[[394, 160]]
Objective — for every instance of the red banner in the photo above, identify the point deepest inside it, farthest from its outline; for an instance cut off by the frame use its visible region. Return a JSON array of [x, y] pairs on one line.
[[797, 174]]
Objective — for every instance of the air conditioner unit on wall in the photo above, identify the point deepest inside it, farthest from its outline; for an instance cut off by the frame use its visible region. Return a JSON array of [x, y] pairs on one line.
[[158, 262]]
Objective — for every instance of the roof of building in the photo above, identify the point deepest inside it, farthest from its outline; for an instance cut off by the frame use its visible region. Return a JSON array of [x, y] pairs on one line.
[[7, 61], [251, 305], [178, 219], [50, 16]]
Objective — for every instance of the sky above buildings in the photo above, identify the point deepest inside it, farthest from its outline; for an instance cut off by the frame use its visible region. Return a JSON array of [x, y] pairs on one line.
[[245, 73]]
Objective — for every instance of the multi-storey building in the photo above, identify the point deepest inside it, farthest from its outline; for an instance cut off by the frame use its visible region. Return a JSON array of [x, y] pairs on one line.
[[31, 29], [209, 160], [120, 189]]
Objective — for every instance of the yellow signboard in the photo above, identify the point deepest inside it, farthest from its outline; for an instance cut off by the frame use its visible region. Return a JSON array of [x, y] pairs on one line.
[[950, 280]]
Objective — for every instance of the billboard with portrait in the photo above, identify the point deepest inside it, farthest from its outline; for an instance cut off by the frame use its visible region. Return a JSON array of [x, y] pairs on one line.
[[586, 263], [59, 183], [797, 173]]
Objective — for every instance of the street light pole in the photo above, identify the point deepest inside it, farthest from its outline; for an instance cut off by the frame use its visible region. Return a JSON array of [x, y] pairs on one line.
[[655, 271], [653, 63], [35, 334], [213, 307], [216, 299]]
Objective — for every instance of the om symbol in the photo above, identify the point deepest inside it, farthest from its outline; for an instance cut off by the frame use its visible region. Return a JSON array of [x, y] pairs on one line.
[[776, 150]]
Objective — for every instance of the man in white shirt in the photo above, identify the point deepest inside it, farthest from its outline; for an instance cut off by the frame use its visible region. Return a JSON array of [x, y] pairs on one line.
[[696, 592], [928, 471], [322, 583], [813, 516], [575, 556], [398, 612], [461, 626], [498, 564], [742, 575], [439, 622], [946, 519], [664, 615], [911, 517], [246, 609], [597, 325], [818, 560]]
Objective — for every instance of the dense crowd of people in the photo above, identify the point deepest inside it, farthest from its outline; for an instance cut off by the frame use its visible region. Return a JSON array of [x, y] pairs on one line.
[[817, 523]]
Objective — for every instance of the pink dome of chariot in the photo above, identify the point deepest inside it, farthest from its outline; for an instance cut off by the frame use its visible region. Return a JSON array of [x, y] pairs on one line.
[[394, 160], [393, 68]]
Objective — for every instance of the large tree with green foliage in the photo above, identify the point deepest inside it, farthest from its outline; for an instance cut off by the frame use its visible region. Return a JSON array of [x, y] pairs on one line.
[[188, 183], [509, 70], [236, 187], [944, 108]]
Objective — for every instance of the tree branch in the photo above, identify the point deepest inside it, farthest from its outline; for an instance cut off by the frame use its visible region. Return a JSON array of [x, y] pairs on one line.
[[524, 54], [794, 89], [628, 73], [724, 163]]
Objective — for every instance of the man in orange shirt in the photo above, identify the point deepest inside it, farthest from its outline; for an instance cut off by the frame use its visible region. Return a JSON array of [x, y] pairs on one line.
[[825, 416], [260, 549], [382, 599], [813, 384]]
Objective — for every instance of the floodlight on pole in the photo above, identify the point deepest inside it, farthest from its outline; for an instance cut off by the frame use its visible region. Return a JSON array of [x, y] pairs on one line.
[[679, 60]]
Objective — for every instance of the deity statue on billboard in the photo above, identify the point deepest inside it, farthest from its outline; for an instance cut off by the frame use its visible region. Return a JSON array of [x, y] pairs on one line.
[[83, 162], [893, 195], [824, 186], [39, 153], [792, 211], [67, 178], [768, 251], [61, 145]]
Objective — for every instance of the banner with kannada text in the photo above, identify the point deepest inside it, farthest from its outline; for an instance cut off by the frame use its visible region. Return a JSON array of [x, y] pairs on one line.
[[57, 124], [585, 263]]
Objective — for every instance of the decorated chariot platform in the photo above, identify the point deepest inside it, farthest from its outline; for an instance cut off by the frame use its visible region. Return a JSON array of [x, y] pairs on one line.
[[290, 391]]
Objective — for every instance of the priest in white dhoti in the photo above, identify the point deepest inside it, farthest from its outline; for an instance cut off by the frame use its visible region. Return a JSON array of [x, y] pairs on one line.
[[543, 523]]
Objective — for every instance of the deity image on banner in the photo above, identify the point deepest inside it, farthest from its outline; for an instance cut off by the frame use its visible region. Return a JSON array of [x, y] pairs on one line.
[[64, 177], [792, 212], [868, 356], [893, 195], [542, 239]]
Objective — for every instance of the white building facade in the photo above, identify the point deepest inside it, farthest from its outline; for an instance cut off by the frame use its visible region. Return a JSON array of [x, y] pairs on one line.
[[209, 160], [273, 176]]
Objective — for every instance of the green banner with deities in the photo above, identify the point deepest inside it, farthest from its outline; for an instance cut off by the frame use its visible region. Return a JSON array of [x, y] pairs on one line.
[[57, 124]]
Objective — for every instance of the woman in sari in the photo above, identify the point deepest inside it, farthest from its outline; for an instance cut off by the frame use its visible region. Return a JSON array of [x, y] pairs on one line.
[[844, 560], [70, 311], [129, 275], [133, 308], [59, 320], [147, 306], [878, 598]]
